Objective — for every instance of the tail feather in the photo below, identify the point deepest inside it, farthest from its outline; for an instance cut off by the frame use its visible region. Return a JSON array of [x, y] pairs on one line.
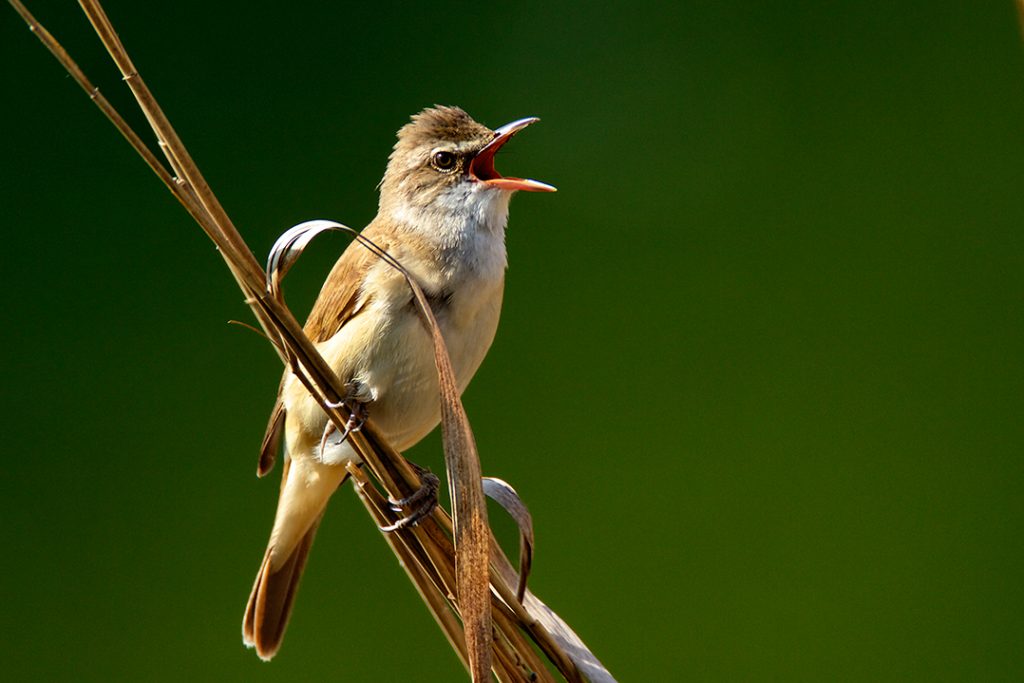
[[272, 597], [306, 487]]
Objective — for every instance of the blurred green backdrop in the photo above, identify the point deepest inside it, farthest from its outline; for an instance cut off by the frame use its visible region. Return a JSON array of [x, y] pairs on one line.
[[758, 376]]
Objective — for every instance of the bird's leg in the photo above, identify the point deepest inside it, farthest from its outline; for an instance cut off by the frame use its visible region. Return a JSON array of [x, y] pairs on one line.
[[421, 503]]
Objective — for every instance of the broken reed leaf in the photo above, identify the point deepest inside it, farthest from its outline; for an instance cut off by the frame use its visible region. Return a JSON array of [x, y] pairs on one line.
[[469, 509], [503, 494], [289, 247]]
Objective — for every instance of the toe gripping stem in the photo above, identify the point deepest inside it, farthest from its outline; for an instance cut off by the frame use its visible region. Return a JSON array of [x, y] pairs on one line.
[[420, 504], [358, 413]]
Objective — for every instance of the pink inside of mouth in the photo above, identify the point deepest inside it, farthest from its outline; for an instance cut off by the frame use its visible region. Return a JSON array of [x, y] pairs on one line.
[[482, 166]]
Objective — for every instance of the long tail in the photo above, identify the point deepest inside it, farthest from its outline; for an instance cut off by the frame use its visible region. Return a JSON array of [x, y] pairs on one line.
[[306, 488], [272, 597]]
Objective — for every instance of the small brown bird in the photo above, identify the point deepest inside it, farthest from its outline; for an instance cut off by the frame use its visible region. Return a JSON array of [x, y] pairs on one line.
[[442, 214]]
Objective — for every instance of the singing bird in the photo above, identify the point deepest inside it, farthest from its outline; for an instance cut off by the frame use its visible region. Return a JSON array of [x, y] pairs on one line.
[[442, 214]]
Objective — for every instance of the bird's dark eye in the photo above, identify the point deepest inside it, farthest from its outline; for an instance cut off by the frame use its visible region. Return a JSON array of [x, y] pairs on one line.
[[443, 161]]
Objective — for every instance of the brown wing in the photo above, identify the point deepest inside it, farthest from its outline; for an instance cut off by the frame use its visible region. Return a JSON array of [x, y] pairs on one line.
[[339, 299], [271, 445], [338, 302]]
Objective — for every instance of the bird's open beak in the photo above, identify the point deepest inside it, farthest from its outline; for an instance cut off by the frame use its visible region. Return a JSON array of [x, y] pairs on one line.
[[482, 166]]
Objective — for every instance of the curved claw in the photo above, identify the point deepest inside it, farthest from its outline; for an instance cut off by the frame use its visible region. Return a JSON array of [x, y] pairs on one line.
[[422, 502], [358, 414]]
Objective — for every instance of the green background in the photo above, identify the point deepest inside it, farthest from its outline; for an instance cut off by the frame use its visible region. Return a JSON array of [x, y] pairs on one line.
[[758, 375]]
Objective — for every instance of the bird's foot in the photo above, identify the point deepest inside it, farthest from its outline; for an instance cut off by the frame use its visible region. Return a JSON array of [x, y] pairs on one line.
[[357, 416], [420, 504], [357, 398]]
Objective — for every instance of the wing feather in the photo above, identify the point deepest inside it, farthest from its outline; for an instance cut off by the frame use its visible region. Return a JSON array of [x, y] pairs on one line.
[[271, 445], [340, 299]]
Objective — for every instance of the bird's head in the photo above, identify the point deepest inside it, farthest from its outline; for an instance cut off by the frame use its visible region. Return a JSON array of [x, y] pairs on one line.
[[443, 165]]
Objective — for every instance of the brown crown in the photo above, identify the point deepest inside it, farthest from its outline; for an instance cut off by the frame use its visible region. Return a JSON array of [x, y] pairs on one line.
[[448, 124]]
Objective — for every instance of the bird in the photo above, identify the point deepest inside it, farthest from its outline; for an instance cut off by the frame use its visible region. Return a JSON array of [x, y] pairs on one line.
[[442, 213]]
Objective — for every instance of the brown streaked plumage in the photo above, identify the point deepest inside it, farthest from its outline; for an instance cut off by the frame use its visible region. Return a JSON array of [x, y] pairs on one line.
[[442, 214]]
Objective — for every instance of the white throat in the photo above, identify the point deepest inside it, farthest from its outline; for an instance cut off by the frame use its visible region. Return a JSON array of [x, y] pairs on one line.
[[466, 224]]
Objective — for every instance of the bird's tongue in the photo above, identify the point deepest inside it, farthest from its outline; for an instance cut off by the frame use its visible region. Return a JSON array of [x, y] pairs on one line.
[[482, 166]]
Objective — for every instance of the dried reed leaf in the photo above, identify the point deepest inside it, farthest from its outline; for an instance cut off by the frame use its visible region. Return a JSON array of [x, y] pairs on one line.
[[503, 494], [290, 245], [469, 509], [586, 662]]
